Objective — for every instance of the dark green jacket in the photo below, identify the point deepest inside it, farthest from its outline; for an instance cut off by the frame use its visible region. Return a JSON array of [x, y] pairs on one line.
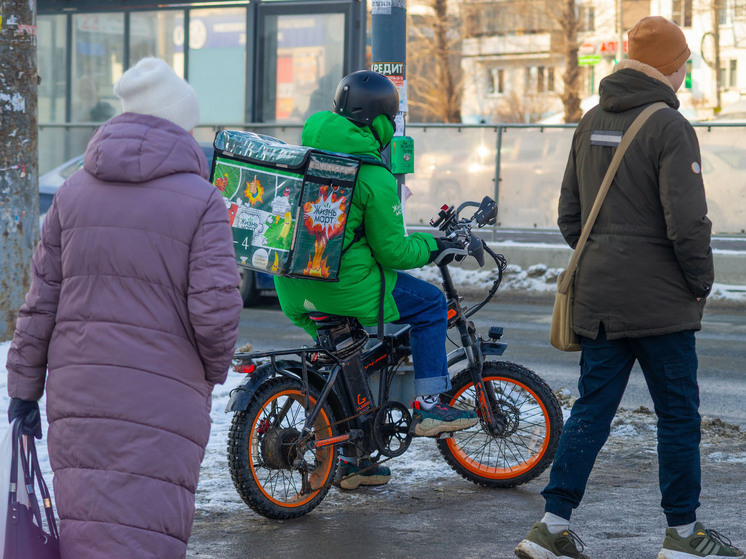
[[376, 204], [648, 257]]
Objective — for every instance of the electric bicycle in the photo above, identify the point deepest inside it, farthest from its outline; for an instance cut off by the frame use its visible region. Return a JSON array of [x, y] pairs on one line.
[[298, 407]]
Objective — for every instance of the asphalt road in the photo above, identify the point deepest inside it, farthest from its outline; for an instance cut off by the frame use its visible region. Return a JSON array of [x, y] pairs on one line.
[[721, 349], [443, 515]]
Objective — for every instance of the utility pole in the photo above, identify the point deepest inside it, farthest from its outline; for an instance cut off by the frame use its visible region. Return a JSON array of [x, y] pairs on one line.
[[389, 57], [620, 31], [716, 8], [19, 196]]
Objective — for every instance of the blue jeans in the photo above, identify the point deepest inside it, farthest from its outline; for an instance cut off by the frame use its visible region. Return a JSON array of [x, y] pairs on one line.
[[423, 307], [669, 363]]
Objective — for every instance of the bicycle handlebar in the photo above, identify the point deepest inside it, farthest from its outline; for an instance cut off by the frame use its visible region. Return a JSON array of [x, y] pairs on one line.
[[456, 228]]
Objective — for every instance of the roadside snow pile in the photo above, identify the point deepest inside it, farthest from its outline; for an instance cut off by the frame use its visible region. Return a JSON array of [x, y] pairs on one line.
[[536, 280], [639, 426]]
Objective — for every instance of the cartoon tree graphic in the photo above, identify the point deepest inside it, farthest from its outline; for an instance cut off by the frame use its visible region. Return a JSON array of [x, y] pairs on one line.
[[324, 219]]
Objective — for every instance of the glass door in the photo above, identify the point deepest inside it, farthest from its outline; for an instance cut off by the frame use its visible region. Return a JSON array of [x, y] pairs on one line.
[[301, 58]]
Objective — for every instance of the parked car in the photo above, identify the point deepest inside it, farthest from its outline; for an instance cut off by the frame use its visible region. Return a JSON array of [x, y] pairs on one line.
[[253, 284]]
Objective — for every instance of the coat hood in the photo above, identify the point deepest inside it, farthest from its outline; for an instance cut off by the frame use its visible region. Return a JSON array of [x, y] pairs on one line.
[[329, 131], [136, 148], [634, 84]]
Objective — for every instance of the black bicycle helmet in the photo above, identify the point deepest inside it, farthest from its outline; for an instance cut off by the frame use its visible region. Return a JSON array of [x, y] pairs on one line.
[[363, 95]]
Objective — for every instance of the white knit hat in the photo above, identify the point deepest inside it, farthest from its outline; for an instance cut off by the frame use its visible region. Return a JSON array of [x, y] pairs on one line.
[[151, 87]]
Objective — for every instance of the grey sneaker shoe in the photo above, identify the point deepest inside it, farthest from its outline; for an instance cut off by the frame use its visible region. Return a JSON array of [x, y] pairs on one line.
[[703, 543], [540, 543], [441, 418], [351, 476]]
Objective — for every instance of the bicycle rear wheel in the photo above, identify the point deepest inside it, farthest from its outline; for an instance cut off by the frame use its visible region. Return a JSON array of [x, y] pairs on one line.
[[526, 446], [275, 476]]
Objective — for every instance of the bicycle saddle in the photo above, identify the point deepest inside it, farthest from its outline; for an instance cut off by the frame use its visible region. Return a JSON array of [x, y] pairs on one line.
[[330, 320]]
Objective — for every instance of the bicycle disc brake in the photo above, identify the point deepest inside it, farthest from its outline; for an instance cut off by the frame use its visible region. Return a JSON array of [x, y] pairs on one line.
[[391, 429]]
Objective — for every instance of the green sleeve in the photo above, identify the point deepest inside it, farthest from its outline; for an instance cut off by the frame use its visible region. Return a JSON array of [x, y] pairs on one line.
[[384, 225]]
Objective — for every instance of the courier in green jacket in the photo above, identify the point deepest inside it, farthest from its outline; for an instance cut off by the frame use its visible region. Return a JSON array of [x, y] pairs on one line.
[[362, 123]]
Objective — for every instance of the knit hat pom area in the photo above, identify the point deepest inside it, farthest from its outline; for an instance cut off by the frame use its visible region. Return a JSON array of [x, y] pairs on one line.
[[151, 87], [659, 43]]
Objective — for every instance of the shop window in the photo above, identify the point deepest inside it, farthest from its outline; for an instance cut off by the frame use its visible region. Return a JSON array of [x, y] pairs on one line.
[[98, 62], [159, 34], [304, 61], [50, 56], [217, 63]]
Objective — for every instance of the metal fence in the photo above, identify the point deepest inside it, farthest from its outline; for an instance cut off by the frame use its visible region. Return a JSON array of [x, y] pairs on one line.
[[521, 166]]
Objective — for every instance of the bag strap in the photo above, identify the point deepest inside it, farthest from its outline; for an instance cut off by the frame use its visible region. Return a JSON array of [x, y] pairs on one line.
[[43, 491], [608, 178], [29, 462]]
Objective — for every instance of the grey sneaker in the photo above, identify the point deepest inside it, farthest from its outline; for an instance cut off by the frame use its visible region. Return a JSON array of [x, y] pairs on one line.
[[702, 543], [441, 418], [540, 543], [351, 476]]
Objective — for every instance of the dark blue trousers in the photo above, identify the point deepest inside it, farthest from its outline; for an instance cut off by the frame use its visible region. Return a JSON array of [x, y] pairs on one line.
[[669, 363], [423, 307]]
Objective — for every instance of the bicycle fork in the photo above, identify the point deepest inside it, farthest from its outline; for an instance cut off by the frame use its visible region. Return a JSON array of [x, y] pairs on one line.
[[486, 398]]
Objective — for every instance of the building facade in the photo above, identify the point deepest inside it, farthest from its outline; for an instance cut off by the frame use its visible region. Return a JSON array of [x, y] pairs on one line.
[[513, 54]]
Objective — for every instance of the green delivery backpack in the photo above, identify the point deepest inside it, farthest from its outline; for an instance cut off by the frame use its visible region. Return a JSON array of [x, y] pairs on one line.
[[287, 204]]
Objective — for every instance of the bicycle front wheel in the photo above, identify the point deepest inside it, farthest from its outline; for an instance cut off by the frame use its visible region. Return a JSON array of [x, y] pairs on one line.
[[532, 420]]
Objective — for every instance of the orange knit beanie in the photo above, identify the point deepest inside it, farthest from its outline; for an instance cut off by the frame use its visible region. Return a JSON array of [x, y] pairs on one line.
[[659, 43]]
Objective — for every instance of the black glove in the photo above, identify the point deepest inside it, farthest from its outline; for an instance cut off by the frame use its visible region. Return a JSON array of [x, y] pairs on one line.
[[445, 244], [28, 413]]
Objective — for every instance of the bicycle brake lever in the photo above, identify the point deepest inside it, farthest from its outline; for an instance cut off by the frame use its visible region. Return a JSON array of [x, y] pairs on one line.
[[476, 249]]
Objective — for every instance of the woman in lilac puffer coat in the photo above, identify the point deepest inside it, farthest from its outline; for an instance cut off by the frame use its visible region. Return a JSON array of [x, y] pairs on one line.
[[134, 310]]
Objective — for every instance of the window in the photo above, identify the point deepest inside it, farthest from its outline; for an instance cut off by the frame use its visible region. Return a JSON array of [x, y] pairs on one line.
[[550, 79], [496, 81], [739, 9], [527, 80], [733, 77], [682, 12], [540, 84], [587, 18]]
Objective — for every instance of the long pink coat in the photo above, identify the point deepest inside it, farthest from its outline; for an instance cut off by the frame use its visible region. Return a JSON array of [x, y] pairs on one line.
[[134, 310]]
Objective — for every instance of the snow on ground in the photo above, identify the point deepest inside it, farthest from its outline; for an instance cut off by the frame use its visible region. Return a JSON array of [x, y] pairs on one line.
[[422, 460], [540, 279]]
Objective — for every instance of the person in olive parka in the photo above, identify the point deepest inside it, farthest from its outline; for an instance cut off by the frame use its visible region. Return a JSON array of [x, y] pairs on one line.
[[362, 124], [640, 290]]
